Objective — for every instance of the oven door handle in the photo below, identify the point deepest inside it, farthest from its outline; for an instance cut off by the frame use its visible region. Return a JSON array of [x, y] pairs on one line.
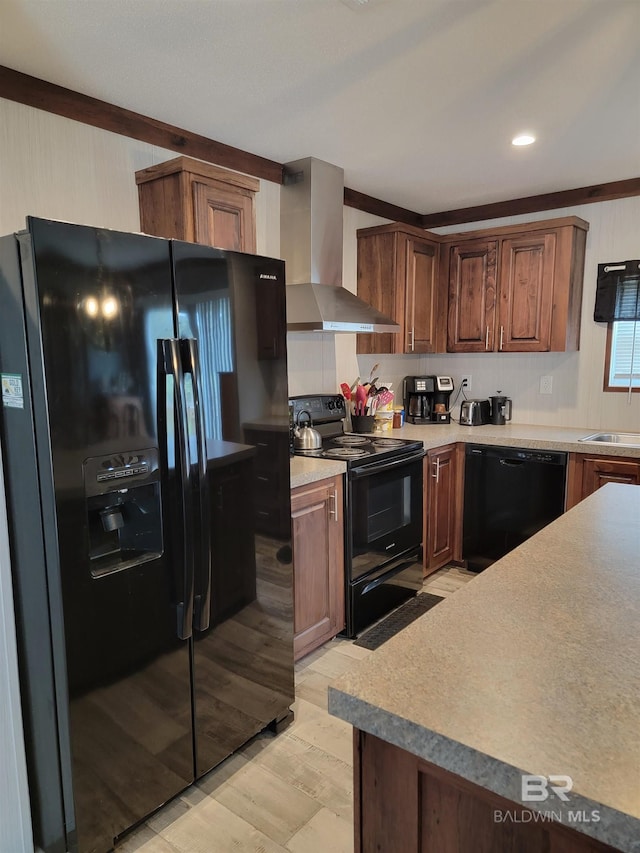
[[387, 575], [377, 467]]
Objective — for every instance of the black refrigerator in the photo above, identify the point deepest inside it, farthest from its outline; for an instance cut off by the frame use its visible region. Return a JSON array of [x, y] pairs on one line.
[[142, 379]]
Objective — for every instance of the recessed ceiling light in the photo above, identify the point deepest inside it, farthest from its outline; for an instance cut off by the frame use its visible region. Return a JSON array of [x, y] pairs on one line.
[[523, 139]]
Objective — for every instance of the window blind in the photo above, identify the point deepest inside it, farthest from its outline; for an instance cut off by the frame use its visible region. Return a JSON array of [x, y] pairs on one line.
[[625, 349], [618, 292]]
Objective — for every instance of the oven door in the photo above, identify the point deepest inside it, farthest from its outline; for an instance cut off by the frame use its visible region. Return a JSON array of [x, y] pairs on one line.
[[384, 515]]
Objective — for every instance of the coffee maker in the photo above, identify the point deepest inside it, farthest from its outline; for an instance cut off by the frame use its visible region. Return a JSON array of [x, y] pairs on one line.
[[426, 399]]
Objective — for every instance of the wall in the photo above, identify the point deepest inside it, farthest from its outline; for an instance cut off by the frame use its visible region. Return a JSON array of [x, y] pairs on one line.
[[60, 169], [577, 399]]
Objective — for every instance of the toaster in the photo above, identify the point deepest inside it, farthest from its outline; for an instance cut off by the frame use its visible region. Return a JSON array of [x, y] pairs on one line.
[[475, 412]]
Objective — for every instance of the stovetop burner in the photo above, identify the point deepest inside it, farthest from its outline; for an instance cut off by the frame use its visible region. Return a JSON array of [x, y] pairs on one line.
[[344, 453], [351, 439], [387, 442]]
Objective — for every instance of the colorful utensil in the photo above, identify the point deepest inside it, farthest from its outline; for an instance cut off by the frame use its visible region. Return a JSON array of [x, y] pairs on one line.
[[361, 400]]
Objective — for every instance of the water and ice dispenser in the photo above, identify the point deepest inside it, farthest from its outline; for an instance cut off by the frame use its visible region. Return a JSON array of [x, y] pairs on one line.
[[122, 492]]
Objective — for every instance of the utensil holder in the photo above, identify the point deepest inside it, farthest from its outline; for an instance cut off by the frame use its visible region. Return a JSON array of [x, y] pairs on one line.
[[362, 423]]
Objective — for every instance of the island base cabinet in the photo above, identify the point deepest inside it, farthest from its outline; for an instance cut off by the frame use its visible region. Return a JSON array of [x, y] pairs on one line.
[[404, 804]]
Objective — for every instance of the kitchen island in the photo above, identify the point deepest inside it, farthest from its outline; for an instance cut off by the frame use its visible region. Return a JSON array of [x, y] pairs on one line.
[[534, 668]]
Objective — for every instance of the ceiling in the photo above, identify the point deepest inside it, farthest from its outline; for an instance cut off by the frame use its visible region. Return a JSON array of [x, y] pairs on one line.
[[416, 99]]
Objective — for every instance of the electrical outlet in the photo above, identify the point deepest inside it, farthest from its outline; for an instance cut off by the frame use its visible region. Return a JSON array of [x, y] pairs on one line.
[[546, 384], [465, 382]]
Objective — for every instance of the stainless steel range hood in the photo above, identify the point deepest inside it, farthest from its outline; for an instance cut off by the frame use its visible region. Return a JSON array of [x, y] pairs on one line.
[[311, 244]]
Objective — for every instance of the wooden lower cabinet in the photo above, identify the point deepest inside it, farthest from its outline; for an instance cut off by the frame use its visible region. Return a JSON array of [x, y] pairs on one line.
[[318, 563], [443, 494], [404, 804], [587, 473]]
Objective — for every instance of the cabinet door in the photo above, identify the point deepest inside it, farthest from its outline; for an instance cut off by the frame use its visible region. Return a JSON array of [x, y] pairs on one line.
[[223, 217], [377, 285], [440, 508], [597, 472], [421, 303], [587, 473], [472, 296], [191, 200], [318, 564], [526, 293]]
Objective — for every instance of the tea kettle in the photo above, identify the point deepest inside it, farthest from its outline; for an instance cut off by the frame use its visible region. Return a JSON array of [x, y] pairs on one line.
[[304, 436], [500, 409]]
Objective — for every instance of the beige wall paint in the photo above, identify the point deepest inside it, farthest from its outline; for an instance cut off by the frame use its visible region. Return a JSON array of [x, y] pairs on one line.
[[60, 169]]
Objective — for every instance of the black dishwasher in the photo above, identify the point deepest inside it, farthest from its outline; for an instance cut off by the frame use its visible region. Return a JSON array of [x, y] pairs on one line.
[[509, 495]]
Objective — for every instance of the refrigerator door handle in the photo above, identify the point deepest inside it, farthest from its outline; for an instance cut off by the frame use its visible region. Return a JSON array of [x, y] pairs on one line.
[[172, 364], [202, 595]]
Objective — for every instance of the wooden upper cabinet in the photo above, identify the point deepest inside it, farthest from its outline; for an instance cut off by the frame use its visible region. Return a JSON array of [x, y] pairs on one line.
[[472, 296], [526, 293], [187, 199], [420, 296], [398, 274], [516, 288]]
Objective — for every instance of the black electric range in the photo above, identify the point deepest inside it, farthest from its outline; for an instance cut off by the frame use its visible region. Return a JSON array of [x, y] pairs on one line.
[[383, 516], [328, 413]]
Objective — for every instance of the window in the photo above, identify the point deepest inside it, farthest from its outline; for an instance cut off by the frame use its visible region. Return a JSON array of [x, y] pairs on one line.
[[622, 364], [618, 304]]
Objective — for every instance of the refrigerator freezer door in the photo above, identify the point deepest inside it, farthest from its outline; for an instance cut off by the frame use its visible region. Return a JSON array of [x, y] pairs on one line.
[[102, 299], [243, 662]]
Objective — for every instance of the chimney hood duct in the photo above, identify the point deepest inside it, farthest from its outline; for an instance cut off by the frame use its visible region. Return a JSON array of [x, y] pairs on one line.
[[311, 202]]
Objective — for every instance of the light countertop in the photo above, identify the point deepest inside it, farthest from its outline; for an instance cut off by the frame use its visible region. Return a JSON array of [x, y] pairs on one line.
[[514, 435], [533, 667], [307, 470]]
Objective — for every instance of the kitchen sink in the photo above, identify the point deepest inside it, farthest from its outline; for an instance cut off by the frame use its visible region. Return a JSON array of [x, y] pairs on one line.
[[623, 439]]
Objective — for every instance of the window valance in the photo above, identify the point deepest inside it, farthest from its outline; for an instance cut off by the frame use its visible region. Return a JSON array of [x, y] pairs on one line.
[[618, 292]]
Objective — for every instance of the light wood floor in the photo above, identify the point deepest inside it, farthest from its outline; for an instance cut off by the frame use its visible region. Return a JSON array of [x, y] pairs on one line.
[[286, 794]]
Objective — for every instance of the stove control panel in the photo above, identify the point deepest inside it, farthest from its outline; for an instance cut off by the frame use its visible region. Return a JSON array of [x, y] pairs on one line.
[[321, 407]]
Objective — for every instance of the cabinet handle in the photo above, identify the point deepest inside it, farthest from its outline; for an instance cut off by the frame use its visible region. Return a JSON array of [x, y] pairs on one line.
[[501, 336], [436, 469], [333, 508], [410, 344], [275, 347], [486, 338]]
